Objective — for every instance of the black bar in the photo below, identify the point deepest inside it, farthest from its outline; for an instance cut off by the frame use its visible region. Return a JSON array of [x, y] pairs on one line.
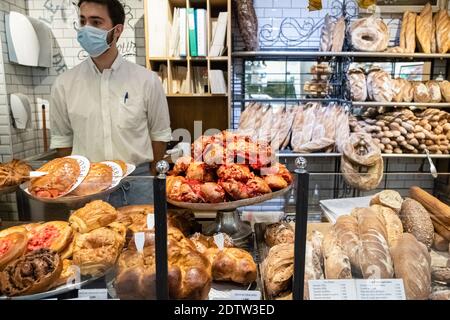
[[159, 192], [301, 220]]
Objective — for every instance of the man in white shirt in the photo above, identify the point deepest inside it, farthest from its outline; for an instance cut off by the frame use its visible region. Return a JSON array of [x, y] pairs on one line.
[[107, 108]]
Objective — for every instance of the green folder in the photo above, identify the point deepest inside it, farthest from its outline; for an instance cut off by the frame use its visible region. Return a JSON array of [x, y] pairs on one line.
[[192, 32]]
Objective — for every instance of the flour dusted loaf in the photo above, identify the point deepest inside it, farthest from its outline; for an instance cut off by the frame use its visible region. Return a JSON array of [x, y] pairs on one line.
[[412, 263]]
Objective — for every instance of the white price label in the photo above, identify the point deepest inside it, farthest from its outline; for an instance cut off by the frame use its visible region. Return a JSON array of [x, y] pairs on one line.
[[93, 294], [219, 239], [332, 290], [245, 295], [380, 289], [150, 221], [139, 241]]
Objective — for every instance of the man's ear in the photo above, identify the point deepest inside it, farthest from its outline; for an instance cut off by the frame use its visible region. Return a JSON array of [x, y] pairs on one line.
[[118, 31]]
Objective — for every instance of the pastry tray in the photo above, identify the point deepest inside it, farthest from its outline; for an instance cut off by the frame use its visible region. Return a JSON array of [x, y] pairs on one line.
[[232, 205], [70, 199], [56, 291]]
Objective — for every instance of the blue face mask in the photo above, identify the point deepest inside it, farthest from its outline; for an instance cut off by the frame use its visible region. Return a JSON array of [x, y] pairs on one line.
[[93, 40]]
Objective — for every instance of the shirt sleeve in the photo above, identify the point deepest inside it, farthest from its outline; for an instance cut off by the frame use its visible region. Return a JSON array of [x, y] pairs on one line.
[[60, 129], [158, 112]]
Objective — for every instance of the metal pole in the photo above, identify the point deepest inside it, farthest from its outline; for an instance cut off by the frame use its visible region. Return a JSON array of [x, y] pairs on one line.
[[159, 192], [301, 221]]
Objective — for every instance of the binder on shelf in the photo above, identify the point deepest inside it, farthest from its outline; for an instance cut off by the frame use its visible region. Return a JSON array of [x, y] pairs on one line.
[[192, 33], [217, 82], [158, 28], [174, 49], [200, 80], [179, 84], [202, 40], [183, 32], [219, 36]]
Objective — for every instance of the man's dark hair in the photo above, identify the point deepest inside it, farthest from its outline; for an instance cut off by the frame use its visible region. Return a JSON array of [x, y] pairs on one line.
[[115, 9]]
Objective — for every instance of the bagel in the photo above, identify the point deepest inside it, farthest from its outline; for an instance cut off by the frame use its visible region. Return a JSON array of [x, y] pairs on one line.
[[371, 152], [362, 180], [369, 34]]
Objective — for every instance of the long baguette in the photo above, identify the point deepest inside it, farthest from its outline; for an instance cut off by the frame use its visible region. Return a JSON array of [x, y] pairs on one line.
[[435, 207], [440, 229]]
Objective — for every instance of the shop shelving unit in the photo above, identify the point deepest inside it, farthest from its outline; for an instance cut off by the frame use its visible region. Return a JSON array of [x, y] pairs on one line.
[[212, 109]]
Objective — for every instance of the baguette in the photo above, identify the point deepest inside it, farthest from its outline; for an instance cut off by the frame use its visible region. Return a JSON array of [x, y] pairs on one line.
[[436, 208], [442, 230], [424, 28], [442, 31]]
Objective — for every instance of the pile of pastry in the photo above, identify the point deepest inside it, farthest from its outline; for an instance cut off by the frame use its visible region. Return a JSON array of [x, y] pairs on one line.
[[307, 128], [390, 239], [406, 131], [63, 174], [194, 260], [226, 167], [13, 173], [319, 85], [380, 87], [40, 256]]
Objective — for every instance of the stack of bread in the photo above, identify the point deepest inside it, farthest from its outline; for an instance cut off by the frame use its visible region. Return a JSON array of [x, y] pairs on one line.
[[430, 34], [406, 131], [194, 260], [380, 87], [390, 239], [319, 85]]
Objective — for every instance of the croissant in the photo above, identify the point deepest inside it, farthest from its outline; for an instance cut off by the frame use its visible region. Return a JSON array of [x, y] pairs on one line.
[[94, 215]]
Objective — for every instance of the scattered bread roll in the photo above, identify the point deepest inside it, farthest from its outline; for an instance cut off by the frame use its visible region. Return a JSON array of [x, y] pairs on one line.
[[388, 198]]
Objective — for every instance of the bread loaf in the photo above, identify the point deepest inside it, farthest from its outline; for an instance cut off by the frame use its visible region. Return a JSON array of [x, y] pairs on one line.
[[338, 35], [441, 274], [379, 86], [445, 90], [278, 268], [416, 220], [336, 262], [412, 264], [440, 243], [347, 231], [435, 207], [424, 28], [434, 90], [388, 198], [375, 259], [358, 85], [394, 227], [313, 260], [440, 295], [326, 36], [408, 90], [408, 32], [442, 31], [441, 229], [421, 93]]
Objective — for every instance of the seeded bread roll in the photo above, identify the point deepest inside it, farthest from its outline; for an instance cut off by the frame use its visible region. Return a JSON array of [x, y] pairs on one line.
[[416, 220]]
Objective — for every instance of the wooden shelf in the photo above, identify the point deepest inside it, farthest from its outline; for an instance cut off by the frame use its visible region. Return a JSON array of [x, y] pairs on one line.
[[212, 109]]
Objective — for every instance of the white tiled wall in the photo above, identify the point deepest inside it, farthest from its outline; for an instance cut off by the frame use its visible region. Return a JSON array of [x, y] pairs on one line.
[[60, 16]]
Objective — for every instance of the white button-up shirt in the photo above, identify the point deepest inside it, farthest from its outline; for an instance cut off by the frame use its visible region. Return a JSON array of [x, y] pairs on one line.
[[114, 114]]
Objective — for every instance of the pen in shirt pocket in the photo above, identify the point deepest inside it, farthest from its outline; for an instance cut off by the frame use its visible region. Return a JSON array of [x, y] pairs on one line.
[[125, 98]]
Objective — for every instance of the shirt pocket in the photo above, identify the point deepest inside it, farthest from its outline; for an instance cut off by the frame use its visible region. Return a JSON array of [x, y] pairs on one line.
[[131, 113]]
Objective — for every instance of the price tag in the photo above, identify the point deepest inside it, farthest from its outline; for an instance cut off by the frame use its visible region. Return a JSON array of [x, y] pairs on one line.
[[245, 295], [219, 239], [139, 241], [380, 289], [93, 294], [332, 290], [150, 221]]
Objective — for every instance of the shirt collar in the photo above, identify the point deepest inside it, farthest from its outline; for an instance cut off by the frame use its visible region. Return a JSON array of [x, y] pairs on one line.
[[115, 66]]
